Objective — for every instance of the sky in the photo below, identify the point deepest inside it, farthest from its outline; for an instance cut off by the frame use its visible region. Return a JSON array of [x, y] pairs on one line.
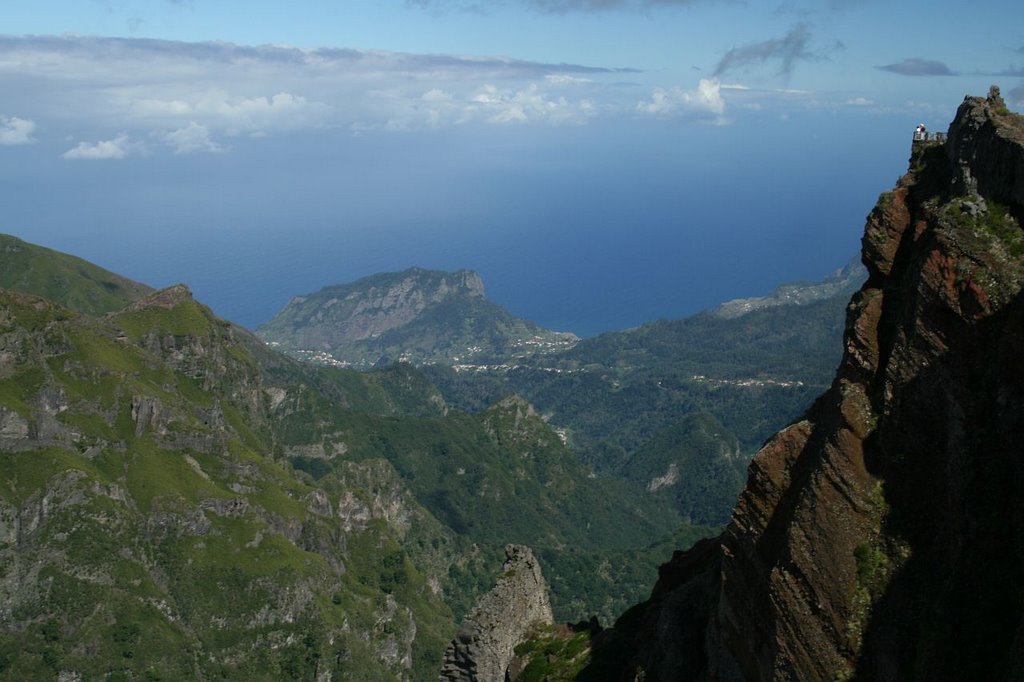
[[601, 163]]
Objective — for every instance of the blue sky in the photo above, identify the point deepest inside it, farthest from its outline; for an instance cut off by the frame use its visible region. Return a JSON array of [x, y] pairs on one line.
[[600, 162]]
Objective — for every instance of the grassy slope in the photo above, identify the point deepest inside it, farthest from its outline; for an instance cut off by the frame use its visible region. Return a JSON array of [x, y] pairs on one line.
[[171, 545], [70, 281]]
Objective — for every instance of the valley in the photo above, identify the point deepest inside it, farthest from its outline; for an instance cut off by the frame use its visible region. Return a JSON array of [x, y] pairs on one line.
[[321, 497]]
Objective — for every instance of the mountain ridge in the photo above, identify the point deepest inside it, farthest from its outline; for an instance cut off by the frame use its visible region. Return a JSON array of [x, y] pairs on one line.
[[69, 280], [845, 280]]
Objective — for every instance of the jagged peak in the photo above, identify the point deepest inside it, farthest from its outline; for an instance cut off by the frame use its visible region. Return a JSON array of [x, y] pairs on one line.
[[985, 148], [169, 297], [418, 316], [514, 419]]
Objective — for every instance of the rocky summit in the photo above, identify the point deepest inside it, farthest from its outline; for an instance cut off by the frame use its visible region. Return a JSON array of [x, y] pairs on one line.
[[417, 316], [880, 536]]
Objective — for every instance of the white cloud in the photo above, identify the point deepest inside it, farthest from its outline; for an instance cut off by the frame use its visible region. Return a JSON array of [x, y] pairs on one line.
[[14, 130], [436, 95], [705, 101], [233, 114], [191, 96], [860, 102], [529, 104], [118, 148], [486, 104], [191, 138], [147, 87], [565, 79]]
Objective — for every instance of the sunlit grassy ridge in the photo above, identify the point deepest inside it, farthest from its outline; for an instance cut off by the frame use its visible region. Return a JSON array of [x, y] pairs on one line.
[[71, 281]]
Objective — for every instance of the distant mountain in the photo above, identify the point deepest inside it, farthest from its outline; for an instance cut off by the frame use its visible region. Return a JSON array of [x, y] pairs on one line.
[[416, 316], [68, 280], [843, 282]]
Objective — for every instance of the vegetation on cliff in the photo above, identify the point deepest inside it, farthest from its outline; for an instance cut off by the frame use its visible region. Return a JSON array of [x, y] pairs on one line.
[[146, 532]]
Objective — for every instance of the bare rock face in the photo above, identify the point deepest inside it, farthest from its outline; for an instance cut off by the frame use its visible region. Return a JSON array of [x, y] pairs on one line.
[[486, 642], [881, 537]]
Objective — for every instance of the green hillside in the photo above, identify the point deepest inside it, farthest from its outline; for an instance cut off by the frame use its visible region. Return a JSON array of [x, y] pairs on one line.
[[496, 477], [628, 401], [149, 534], [70, 281], [179, 501]]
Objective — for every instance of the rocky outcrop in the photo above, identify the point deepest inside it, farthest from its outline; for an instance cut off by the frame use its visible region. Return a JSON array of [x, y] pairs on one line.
[[486, 642], [879, 537], [166, 298], [982, 162]]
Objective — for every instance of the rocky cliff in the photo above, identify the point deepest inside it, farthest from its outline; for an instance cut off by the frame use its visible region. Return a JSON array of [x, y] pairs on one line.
[[880, 537], [485, 644]]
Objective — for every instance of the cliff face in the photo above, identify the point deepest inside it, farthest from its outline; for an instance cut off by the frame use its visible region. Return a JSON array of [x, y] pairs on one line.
[[486, 642], [368, 309], [882, 536]]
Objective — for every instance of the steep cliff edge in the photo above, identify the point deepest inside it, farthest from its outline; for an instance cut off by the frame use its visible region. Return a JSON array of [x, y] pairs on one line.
[[485, 644], [881, 537]]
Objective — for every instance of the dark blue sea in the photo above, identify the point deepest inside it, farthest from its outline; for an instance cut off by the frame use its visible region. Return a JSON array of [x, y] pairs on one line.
[[585, 229]]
